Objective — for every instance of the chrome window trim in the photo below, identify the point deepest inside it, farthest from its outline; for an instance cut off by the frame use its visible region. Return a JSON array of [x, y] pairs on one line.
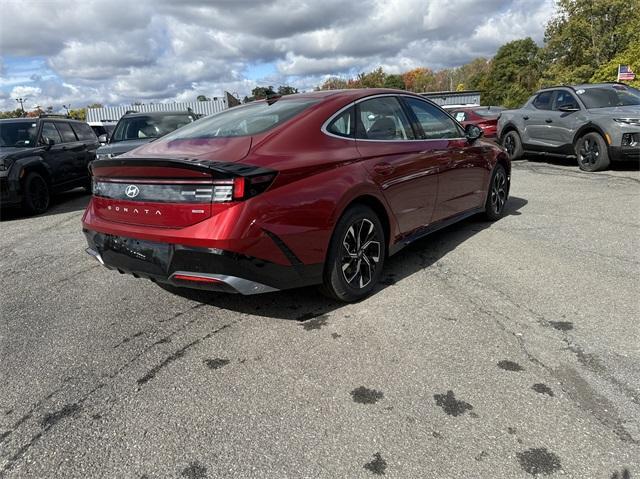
[[324, 126]]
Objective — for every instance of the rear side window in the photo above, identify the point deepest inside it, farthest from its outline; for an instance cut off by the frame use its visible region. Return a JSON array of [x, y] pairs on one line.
[[84, 132], [435, 123], [383, 119], [243, 120], [50, 132], [343, 124], [543, 100], [66, 132]]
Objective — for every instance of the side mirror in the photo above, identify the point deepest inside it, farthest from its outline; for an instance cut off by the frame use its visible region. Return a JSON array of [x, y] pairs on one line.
[[103, 138], [48, 142], [568, 108], [473, 132]]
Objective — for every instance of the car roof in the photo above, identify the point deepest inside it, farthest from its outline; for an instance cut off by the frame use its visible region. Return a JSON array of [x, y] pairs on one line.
[[159, 113], [350, 94]]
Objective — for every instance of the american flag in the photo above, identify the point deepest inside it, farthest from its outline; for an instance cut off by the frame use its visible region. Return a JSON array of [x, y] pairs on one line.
[[625, 73]]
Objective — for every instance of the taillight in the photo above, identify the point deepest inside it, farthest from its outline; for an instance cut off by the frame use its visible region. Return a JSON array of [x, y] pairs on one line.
[[183, 191]]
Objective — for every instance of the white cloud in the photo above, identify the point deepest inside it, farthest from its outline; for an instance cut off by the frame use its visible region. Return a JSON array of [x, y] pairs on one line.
[[162, 50]]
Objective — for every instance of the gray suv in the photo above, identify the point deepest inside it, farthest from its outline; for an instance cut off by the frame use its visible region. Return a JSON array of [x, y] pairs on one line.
[[595, 123]]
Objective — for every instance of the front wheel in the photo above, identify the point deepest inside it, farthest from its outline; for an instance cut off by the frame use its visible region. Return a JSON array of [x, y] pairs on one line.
[[356, 255], [498, 194], [592, 153]]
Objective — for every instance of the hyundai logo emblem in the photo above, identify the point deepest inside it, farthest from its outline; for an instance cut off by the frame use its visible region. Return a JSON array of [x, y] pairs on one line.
[[132, 191]]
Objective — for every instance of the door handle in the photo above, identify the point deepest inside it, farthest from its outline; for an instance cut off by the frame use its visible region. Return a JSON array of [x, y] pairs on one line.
[[383, 168], [525, 117], [549, 120]]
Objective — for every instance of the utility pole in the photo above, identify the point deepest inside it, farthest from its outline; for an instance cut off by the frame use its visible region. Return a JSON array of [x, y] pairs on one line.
[[22, 101]]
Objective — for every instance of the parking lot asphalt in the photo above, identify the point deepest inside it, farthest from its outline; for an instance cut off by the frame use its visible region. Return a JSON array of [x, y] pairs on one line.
[[499, 350]]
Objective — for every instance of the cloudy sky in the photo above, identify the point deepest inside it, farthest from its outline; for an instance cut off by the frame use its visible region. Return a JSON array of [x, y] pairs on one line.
[[55, 52]]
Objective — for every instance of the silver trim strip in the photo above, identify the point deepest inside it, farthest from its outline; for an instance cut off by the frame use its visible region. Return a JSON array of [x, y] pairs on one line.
[[324, 126], [241, 285], [95, 254]]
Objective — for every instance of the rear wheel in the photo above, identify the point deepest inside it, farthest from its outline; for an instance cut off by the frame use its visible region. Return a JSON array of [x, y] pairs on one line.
[[498, 194], [356, 255], [36, 194], [592, 153], [513, 144]]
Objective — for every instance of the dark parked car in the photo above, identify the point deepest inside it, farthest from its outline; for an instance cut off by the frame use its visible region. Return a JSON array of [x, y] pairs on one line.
[[135, 129], [42, 156], [595, 123], [486, 117], [313, 188], [104, 131]]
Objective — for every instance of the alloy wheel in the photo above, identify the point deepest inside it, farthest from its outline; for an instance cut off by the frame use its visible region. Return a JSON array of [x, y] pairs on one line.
[[510, 145], [499, 191], [589, 152], [361, 251]]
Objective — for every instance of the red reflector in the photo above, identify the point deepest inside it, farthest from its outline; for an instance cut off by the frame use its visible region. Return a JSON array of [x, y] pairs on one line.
[[197, 279], [238, 188]]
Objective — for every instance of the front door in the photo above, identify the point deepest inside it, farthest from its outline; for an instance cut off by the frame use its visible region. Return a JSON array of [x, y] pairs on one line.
[[404, 167]]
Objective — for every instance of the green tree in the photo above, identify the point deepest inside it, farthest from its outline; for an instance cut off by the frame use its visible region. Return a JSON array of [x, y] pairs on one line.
[[78, 114], [286, 90], [514, 74], [372, 79], [394, 81], [586, 34], [261, 92], [609, 71]]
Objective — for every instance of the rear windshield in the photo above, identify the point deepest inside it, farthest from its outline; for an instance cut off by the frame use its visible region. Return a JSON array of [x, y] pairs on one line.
[[19, 134], [140, 127], [489, 112], [243, 120], [609, 96]]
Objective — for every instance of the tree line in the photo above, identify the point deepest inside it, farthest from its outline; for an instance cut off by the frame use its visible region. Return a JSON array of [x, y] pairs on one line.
[[584, 42]]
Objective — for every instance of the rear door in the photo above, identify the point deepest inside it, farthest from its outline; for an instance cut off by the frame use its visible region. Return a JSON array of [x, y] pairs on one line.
[[74, 152], [56, 157], [538, 119], [90, 144], [402, 165], [462, 168]]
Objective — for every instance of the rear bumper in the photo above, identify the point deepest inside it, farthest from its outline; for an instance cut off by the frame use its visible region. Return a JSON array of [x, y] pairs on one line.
[[619, 153], [195, 267]]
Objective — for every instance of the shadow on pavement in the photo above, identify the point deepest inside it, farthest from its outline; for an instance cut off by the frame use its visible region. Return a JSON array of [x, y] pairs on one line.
[[308, 303], [572, 162], [66, 202]]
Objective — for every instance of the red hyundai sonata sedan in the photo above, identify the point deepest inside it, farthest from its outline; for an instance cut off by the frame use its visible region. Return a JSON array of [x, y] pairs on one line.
[[313, 188]]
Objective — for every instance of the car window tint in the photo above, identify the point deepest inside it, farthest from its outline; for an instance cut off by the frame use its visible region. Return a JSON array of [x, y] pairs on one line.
[[66, 132], [435, 123], [383, 119], [543, 100], [18, 134], [251, 119], [342, 125], [84, 132], [50, 132], [565, 99]]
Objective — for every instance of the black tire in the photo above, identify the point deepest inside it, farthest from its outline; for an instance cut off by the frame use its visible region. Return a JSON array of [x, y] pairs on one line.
[[36, 196], [513, 144], [356, 255], [592, 152], [498, 194]]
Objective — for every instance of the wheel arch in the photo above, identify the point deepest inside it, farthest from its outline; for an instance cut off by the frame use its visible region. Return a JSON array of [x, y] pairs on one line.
[[37, 165], [506, 129], [589, 128]]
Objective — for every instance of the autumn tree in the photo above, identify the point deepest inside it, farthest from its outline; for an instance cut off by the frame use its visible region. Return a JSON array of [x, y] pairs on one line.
[[419, 79], [333, 83]]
